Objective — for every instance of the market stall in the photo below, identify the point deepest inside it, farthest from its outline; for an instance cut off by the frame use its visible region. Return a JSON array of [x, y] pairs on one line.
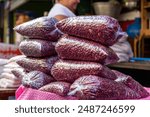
[[77, 58]]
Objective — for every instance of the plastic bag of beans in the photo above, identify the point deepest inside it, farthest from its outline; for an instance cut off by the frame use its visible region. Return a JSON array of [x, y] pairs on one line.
[[39, 64], [69, 71], [19, 73], [75, 48], [36, 79], [103, 29], [94, 87], [15, 58], [41, 28], [59, 88], [37, 48], [131, 83]]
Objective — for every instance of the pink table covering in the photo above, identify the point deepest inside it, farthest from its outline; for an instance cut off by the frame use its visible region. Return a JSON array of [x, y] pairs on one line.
[[23, 93]]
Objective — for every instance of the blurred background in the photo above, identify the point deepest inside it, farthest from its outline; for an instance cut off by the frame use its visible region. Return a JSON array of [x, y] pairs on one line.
[[130, 14]]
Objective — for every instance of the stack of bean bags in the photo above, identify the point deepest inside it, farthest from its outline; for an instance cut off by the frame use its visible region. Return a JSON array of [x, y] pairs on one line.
[[84, 53], [80, 70], [38, 51], [8, 78]]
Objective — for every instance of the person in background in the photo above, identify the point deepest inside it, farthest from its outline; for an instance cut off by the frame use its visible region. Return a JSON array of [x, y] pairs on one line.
[[63, 9], [22, 17], [66, 8]]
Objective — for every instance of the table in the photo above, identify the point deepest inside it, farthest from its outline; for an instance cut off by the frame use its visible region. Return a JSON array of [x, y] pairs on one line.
[[138, 65], [6, 92], [139, 70]]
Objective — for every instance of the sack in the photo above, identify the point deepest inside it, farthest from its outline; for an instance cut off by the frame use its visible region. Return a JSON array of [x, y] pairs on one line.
[[18, 73], [38, 64], [131, 83], [94, 87], [9, 83], [12, 65], [7, 76], [15, 58], [40, 28], [103, 29], [123, 49], [59, 88], [23, 93], [69, 71], [8, 70], [75, 48], [36, 79], [37, 48]]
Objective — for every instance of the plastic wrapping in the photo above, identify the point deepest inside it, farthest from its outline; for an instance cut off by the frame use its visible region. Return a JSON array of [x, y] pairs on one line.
[[69, 71], [94, 87], [15, 58], [36, 79], [9, 80], [9, 69], [75, 48], [40, 28], [19, 73], [103, 29], [8, 76], [3, 62], [12, 65], [23, 93], [37, 48], [131, 83], [123, 49], [8, 83], [59, 88], [39, 64]]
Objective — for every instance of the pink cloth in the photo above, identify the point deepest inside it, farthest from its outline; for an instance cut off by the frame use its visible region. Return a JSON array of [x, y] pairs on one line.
[[147, 98], [23, 93]]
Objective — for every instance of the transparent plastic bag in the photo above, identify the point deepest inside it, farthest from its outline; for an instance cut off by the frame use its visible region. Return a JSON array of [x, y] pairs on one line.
[[39, 64], [103, 29], [40, 28], [69, 71], [59, 88], [36, 79], [131, 83], [94, 87], [75, 48], [19, 73], [37, 48]]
